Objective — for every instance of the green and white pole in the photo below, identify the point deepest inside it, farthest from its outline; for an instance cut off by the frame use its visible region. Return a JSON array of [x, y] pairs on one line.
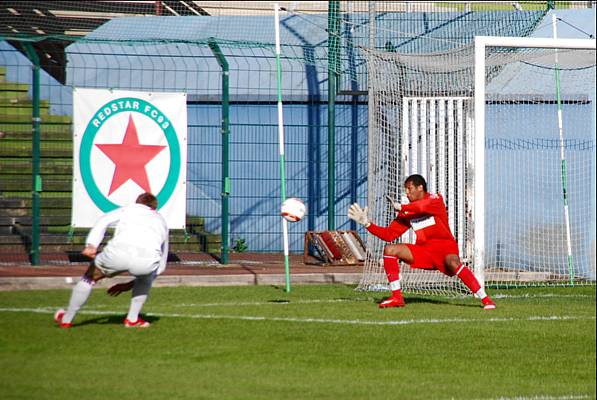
[[564, 171], [281, 143]]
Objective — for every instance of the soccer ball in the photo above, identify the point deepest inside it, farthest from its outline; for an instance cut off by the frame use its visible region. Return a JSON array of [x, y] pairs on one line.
[[293, 209]]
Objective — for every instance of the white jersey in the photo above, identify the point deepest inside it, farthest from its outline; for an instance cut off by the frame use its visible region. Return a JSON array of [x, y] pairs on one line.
[[140, 241]]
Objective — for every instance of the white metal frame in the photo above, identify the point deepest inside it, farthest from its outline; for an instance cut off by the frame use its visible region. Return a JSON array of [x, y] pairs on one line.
[[431, 144], [481, 43]]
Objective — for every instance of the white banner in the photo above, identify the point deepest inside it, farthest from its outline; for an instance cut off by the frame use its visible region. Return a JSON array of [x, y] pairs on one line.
[[127, 143]]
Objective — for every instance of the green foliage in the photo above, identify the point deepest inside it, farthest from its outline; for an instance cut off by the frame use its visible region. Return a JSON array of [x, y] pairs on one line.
[[240, 245], [316, 342]]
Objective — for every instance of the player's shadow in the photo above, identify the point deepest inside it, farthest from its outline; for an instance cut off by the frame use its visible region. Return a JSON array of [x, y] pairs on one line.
[[112, 320], [426, 300], [415, 300]]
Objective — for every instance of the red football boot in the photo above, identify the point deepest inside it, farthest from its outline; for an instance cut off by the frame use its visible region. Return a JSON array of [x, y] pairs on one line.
[[139, 323], [488, 304], [58, 315], [395, 300]]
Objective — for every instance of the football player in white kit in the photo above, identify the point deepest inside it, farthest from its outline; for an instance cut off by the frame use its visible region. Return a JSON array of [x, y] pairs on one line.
[[139, 246]]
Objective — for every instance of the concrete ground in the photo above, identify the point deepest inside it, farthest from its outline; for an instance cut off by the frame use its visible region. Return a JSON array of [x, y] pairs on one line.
[[191, 270]]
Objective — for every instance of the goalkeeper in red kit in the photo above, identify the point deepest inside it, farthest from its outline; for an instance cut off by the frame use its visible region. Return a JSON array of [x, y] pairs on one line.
[[435, 247]]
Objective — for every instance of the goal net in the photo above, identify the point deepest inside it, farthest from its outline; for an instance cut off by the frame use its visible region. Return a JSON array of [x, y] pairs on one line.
[[520, 198]]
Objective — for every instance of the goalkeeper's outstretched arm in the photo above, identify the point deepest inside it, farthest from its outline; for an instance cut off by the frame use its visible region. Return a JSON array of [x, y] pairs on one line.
[[388, 234]]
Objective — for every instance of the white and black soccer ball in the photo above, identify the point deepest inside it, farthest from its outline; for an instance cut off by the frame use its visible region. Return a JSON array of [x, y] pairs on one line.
[[293, 209]]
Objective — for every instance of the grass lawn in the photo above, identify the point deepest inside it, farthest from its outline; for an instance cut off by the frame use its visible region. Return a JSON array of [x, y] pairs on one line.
[[317, 342]]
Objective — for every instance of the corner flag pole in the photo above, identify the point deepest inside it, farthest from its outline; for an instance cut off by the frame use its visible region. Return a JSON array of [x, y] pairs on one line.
[[562, 155], [281, 142]]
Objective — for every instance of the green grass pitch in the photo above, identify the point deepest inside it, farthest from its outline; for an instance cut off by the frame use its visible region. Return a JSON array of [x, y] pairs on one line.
[[316, 342]]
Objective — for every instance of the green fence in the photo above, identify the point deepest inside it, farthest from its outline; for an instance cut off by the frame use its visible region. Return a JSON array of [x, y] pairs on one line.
[[324, 86]]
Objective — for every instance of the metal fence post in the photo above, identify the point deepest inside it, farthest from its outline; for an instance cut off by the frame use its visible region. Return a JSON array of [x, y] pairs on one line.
[[333, 67], [35, 156], [213, 45]]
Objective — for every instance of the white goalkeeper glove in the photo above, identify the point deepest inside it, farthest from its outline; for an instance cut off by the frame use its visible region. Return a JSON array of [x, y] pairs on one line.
[[396, 205], [359, 215]]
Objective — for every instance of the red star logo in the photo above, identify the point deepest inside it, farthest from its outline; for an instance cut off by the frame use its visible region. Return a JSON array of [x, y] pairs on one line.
[[130, 158]]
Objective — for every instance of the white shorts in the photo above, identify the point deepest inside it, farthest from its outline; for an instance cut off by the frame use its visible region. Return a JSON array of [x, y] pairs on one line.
[[117, 258]]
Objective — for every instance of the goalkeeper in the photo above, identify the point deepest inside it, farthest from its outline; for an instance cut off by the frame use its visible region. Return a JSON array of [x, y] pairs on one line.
[[435, 247]]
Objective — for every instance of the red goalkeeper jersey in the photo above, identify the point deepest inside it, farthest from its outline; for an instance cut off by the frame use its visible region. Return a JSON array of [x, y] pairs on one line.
[[428, 218]]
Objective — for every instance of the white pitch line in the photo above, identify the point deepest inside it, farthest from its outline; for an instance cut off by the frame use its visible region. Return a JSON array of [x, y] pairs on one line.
[[548, 397], [540, 296], [318, 320], [283, 302]]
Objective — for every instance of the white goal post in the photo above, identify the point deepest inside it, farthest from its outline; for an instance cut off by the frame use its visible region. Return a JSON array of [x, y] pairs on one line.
[[481, 43]]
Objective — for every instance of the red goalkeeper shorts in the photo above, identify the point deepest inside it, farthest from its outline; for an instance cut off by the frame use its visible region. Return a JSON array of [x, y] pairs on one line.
[[432, 254]]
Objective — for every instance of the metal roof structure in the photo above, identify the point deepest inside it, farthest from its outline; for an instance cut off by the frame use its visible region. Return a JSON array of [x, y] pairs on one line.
[[50, 26]]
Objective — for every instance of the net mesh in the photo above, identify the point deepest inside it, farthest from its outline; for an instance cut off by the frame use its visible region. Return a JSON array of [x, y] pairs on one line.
[[527, 165], [421, 121]]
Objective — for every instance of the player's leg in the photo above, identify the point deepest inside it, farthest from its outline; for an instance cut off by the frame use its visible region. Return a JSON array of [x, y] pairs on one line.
[[455, 267], [105, 264], [79, 296], [393, 254], [141, 287]]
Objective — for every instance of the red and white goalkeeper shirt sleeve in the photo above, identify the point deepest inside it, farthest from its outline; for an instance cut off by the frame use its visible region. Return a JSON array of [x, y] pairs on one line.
[[389, 233], [432, 204]]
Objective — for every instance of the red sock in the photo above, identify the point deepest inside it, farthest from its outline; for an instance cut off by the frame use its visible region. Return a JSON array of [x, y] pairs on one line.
[[390, 264], [468, 278]]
